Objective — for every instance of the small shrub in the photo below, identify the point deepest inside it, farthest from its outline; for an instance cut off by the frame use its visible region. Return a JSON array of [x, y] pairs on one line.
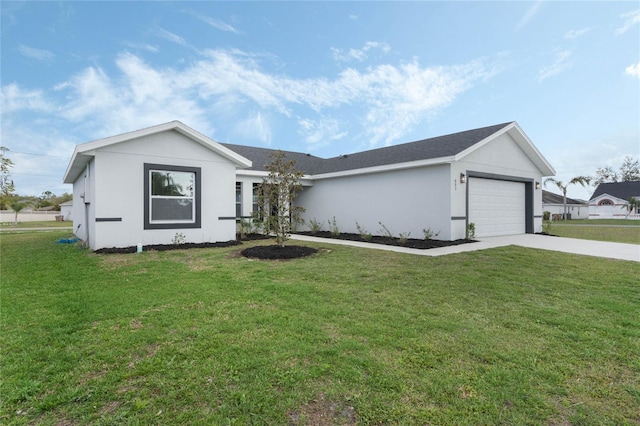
[[179, 238], [333, 227], [429, 234], [546, 216], [384, 230], [546, 226], [259, 225], [315, 226], [244, 227], [471, 231], [403, 237], [363, 232]]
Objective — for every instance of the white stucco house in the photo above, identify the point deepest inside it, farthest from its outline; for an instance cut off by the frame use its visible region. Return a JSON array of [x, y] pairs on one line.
[[488, 176], [147, 186], [554, 204], [611, 200]]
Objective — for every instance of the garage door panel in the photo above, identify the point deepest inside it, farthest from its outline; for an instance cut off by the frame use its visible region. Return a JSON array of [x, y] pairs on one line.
[[496, 207]]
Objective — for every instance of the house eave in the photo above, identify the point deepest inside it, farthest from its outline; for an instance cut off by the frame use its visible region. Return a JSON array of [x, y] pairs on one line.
[[385, 168], [77, 164], [84, 152]]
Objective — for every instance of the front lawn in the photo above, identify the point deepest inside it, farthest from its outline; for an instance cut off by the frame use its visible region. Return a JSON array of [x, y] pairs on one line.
[[346, 336], [613, 230], [37, 224]]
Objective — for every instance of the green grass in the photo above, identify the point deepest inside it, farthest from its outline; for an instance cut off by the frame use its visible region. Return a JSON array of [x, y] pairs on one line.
[[203, 336], [38, 224], [613, 230], [621, 222]]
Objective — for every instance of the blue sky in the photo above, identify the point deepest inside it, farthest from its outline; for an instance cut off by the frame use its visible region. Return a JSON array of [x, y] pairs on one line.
[[327, 78]]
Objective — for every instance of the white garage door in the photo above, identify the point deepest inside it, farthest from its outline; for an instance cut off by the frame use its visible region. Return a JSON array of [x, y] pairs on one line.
[[496, 207]]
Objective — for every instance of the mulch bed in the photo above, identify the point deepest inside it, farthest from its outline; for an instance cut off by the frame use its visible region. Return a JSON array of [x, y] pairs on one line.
[[276, 252], [378, 239], [165, 247]]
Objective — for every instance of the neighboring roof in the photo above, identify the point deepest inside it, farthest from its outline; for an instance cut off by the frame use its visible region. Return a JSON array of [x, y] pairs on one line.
[[441, 149], [551, 198], [84, 152], [622, 190]]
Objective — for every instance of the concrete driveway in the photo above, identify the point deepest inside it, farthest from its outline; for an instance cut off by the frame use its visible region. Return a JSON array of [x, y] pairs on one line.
[[543, 242]]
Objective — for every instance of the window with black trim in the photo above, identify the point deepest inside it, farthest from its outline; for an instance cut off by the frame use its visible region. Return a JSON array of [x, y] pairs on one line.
[[171, 197], [238, 200], [605, 202]]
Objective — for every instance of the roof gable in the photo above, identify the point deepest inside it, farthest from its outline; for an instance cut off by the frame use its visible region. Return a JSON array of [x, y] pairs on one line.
[[83, 153], [522, 140], [622, 190]]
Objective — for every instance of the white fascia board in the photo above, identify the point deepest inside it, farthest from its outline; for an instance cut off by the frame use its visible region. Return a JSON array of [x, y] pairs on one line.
[[517, 134], [305, 180], [85, 150], [386, 168], [252, 173]]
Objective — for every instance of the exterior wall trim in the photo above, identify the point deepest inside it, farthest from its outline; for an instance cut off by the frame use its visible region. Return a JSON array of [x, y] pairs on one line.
[[108, 219]]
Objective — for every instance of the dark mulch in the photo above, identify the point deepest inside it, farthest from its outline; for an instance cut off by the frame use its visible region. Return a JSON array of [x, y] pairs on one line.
[[165, 247], [275, 252], [378, 239]]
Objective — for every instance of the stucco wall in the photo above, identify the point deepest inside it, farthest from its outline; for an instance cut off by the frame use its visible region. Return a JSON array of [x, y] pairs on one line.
[[82, 210], [404, 201], [119, 191]]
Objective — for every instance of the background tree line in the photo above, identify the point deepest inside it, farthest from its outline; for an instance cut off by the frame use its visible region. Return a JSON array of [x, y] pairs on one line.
[[10, 200]]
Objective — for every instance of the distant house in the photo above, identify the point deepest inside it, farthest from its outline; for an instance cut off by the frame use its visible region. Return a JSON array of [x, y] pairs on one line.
[[65, 210], [554, 204], [611, 200], [145, 186]]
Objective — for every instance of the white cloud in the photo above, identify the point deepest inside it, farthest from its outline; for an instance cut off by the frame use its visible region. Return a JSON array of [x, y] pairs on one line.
[[33, 53], [633, 70], [255, 126], [167, 35], [218, 24], [141, 97], [143, 46], [631, 18], [388, 99], [14, 99], [320, 133], [359, 55], [573, 34], [531, 12], [560, 65]]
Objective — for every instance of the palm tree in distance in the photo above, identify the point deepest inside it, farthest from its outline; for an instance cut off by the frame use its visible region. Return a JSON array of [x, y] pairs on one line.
[[582, 180], [17, 206]]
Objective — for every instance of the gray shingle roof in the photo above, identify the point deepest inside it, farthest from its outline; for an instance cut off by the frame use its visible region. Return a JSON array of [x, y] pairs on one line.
[[551, 198], [622, 190], [425, 149]]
